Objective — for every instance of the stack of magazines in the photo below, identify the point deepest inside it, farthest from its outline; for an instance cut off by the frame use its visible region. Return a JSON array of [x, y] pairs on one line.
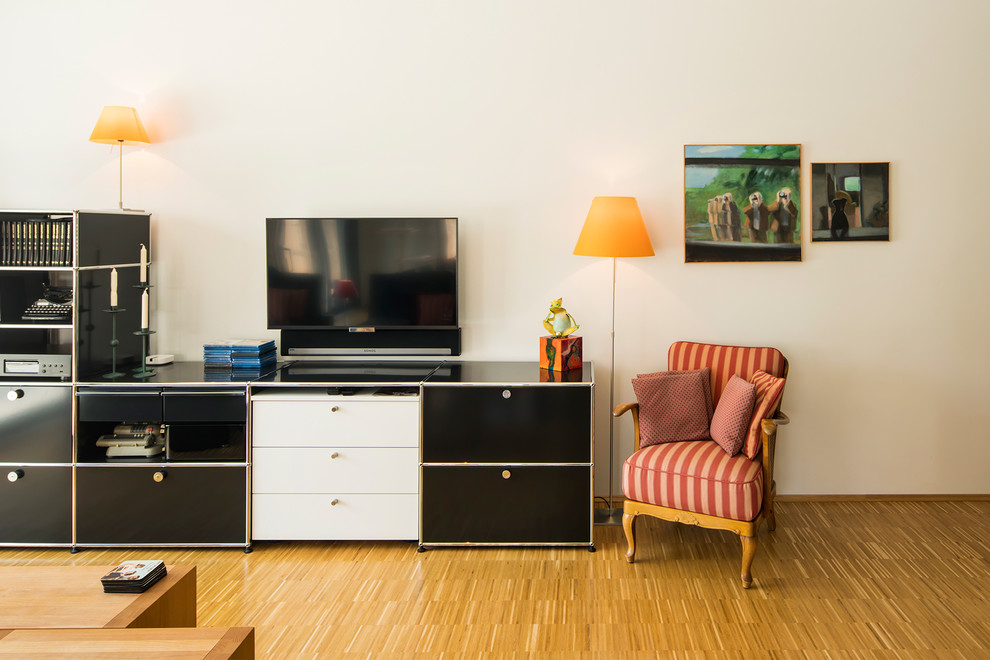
[[133, 577], [244, 358]]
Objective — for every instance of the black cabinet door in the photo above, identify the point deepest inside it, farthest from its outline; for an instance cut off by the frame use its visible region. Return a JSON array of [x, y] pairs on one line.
[[481, 424], [129, 405], [511, 504], [35, 504], [213, 406], [189, 505], [36, 424]]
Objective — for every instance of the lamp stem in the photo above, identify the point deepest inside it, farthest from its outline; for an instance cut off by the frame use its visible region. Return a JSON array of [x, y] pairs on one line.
[[120, 148], [611, 396]]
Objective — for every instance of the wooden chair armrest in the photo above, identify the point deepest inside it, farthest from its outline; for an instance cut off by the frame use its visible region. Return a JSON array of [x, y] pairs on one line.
[[623, 408], [769, 426]]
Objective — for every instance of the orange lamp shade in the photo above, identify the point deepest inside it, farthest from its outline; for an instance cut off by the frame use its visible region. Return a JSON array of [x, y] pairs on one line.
[[614, 228], [119, 124]]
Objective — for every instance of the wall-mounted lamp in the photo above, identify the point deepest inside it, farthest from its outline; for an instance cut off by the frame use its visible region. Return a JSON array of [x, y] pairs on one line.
[[119, 125]]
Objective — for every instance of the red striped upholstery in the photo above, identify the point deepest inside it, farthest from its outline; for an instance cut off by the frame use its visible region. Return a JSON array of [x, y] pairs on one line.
[[743, 361], [695, 476], [768, 389]]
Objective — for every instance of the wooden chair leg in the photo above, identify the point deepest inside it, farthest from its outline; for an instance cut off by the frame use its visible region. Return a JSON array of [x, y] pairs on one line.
[[748, 552], [771, 520], [629, 527]]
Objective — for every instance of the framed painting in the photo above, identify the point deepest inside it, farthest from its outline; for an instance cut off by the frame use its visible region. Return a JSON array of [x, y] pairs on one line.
[[850, 202], [742, 202]]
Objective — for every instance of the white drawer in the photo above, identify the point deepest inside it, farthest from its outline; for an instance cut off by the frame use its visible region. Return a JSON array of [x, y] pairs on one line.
[[335, 470], [335, 423], [316, 518]]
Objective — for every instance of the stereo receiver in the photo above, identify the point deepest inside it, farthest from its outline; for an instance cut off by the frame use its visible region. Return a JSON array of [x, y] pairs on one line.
[[37, 365]]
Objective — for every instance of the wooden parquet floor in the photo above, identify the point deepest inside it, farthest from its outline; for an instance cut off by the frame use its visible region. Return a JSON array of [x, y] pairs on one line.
[[835, 580]]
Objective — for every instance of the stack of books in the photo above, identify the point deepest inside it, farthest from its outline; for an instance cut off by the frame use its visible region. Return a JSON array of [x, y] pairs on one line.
[[36, 242], [244, 358], [133, 577]]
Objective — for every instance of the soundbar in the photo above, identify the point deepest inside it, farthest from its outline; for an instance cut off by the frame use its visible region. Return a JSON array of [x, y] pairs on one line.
[[342, 342]]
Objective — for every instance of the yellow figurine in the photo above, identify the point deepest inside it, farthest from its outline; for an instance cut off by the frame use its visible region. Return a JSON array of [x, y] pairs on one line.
[[558, 322]]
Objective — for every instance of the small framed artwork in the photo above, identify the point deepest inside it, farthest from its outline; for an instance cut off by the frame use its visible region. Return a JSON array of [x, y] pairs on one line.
[[850, 202], [742, 202]]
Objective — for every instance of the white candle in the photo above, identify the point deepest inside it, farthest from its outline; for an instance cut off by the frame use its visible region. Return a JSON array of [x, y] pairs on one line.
[[113, 287], [144, 264], [144, 310]]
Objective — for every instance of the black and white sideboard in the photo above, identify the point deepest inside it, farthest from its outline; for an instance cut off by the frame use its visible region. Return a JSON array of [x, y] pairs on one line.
[[443, 453]]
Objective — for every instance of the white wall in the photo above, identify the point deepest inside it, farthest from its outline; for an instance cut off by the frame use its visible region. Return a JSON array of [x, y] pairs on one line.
[[512, 115]]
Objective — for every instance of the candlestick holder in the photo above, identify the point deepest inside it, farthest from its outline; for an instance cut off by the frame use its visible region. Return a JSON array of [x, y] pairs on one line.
[[144, 333], [143, 371], [114, 342]]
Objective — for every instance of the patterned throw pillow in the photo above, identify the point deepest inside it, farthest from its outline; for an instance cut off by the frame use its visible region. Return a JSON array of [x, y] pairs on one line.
[[706, 383], [730, 422], [672, 407], [768, 389]]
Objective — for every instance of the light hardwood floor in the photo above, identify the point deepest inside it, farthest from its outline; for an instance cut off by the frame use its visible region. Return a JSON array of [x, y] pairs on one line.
[[836, 580]]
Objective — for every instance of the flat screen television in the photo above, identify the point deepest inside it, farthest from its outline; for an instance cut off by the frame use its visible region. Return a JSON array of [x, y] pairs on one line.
[[339, 286]]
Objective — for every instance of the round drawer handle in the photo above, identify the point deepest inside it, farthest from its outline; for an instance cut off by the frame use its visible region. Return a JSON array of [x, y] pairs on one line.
[[336, 454], [506, 474], [506, 394], [14, 475], [334, 502], [159, 476], [335, 409], [14, 395]]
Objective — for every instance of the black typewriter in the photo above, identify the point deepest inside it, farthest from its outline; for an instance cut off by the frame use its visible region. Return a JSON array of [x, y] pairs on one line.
[[55, 306]]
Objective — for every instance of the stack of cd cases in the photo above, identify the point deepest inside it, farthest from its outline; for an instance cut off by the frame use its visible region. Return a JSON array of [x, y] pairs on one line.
[[133, 577], [240, 357]]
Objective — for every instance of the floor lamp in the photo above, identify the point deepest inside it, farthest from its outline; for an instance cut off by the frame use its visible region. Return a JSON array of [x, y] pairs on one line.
[[120, 125], [614, 228]]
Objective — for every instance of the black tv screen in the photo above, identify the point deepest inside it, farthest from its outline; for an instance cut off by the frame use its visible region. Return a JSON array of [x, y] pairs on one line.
[[350, 273]]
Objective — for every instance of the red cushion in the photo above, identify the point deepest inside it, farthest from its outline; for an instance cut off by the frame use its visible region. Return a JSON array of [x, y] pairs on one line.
[[731, 421], [768, 389], [672, 407], [706, 384], [695, 476]]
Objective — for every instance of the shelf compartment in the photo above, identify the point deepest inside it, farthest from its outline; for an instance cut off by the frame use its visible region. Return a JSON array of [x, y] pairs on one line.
[[315, 517], [36, 504], [35, 424], [506, 424], [119, 405], [341, 469], [189, 505], [480, 504], [227, 405]]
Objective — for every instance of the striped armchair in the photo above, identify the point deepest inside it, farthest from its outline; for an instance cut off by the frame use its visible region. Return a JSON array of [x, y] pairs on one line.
[[696, 482]]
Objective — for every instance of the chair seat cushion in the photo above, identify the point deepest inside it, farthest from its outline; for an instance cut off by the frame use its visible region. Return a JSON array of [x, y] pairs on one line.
[[695, 476]]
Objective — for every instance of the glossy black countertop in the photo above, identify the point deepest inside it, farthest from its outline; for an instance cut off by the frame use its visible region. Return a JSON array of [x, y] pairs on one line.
[[354, 373], [506, 373], [192, 374], [441, 372]]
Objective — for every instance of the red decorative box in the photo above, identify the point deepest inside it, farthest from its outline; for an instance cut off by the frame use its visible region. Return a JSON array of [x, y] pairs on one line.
[[560, 353]]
